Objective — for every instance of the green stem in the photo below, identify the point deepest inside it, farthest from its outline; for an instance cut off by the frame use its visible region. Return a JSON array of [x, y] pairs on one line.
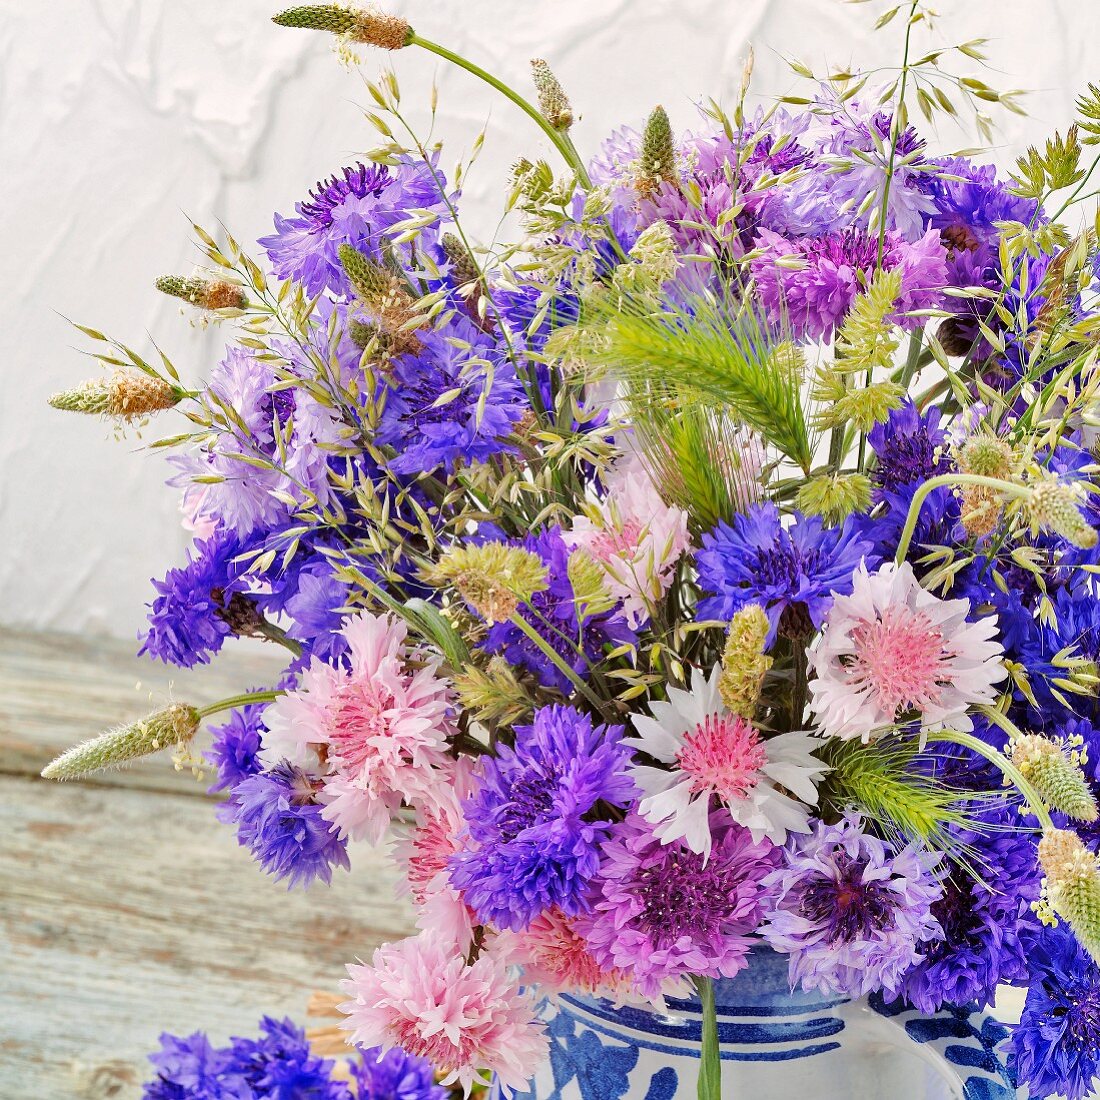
[[710, 1061], [279, 636], [551, 654], [922, 494], [235, 701], [559, 140], [999, 760]]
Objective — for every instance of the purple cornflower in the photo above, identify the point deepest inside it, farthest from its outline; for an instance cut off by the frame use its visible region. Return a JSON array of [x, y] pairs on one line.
[[235, 748], [358, 206], [791, 572], [198, 605], [280, 822], [814, 296], [982, 918], [852, 913], [1055, 1048], [453, 402], [534, 822], [553, 613], [395, 1075], [315, 607], [278, 1065], [909, 449], [660, 912]]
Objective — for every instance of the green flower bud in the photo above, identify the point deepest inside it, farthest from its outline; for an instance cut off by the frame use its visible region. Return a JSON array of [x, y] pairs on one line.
[[658, 158], [1073, 885], [1056, 775], [388, 32], [553, 102]]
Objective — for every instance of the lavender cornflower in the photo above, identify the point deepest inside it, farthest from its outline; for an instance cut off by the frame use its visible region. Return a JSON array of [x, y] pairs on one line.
[[661, 911], [534, 824], [395, 1075], [1055, 1048], [792, 572], [852, 913], [279, 821], [359, 206]]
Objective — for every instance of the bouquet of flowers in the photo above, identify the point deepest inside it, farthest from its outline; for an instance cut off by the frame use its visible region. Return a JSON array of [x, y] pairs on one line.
[[709, 566]]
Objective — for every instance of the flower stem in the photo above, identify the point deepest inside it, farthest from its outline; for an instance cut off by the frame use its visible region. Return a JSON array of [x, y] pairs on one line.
[[999, 760], [933, 483], [559, 140], [710, 1061], [235, 701], [555, 657]]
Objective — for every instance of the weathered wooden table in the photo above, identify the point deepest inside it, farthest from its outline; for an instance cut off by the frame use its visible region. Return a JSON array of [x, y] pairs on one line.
[[126, 909]]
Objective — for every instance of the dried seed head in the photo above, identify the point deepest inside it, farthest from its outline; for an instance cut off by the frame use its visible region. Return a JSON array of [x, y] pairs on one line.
[[173, 725], [1056, 774], [125, 394], [210, 294], [387, 32], [981, 510], [1073, 885], [744, 662], [494, 579], [388, 345], [553, 102], [1056, 505]]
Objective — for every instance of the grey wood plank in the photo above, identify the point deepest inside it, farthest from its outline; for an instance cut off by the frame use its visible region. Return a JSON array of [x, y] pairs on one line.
[[126, 912]]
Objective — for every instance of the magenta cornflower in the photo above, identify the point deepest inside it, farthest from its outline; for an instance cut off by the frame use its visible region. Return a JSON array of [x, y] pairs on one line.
[[661, 912]]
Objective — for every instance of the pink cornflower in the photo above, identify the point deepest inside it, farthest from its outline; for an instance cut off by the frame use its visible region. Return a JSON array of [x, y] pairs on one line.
[[555, 957], [383, 725], [468, 1019], [710, 753], [891, 652], [636, 537], [424, 851]]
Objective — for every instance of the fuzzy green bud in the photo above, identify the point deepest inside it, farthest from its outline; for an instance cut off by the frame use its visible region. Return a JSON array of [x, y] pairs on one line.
[[553, 102], [834, 497], [463, 266], [212, 294], [987, 456], [388, 32], [1073, 885], [1055, 505], [657, 163], [173, 725], [126, 394], [371, 281], [1055, 774], [744, 661]]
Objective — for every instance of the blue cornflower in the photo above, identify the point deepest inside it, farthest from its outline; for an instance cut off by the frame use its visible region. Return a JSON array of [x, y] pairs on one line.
[[553, 613], [395, 1075], [981, 920], [278, 1065], [197, 604], [279, 821], [1055, 1048], [187, 1068], [533, 823], [454, 401], [909, 448], [358, 206], [790, 572], [235, 748]]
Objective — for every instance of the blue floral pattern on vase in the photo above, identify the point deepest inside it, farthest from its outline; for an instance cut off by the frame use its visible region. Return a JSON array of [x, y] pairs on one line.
[[774, 1042]]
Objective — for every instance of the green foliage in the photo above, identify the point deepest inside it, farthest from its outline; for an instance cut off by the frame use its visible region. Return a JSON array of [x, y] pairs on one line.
[[1088, 107], [1058, 166], [724, 355], [880, 781]]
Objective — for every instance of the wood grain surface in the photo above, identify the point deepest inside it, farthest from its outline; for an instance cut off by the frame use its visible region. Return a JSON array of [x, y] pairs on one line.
[[126, 909]]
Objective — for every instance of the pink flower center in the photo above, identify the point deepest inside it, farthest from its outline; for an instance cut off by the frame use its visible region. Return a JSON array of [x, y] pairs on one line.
[[432, 846], [438, 1049], [360, 715], [900, 659], [723, 754], [621, 542]]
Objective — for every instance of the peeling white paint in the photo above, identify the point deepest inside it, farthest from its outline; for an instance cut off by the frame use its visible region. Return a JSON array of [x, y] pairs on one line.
[[118, 115]]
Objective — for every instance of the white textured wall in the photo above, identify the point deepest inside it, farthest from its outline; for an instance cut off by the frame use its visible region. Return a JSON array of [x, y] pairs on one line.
[[116, 116]]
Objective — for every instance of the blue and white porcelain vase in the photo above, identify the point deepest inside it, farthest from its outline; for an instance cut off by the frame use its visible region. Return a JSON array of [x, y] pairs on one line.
[[775, 1044]]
